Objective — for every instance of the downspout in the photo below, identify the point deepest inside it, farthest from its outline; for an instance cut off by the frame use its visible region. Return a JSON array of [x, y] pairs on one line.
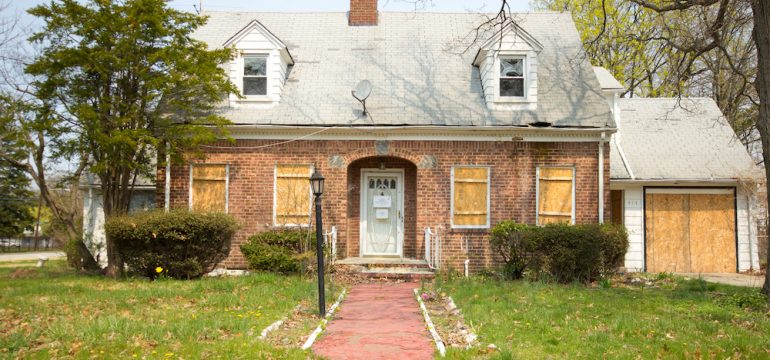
[[601, 179], [751, 223], [167, 185]]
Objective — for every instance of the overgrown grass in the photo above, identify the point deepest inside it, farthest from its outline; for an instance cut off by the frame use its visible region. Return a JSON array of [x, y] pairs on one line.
[[54, 313], [686, 319]]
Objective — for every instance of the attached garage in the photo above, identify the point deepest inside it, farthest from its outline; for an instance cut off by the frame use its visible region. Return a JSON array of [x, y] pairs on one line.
[[690, 230]]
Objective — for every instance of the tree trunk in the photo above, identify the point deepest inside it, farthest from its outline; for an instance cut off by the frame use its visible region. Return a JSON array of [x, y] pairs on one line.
[[111, 208], [761, 9]]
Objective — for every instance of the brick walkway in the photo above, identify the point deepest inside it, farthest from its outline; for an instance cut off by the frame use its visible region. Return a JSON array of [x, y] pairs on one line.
[[377, 321]]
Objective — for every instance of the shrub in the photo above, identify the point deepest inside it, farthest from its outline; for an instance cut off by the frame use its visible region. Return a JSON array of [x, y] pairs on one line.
[[281, 251], [183, 243], [564, 253], [516, 244]]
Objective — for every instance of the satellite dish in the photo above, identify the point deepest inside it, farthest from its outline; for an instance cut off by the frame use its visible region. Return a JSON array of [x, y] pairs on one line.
[[362, 92]]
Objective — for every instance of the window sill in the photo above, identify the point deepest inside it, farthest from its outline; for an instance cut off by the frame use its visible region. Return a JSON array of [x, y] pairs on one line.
[[254, 98], [481, 230], [512, 100]]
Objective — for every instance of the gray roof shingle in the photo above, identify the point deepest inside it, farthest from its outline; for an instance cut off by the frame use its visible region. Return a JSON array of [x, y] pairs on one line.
[[410, 58], [671, 138]]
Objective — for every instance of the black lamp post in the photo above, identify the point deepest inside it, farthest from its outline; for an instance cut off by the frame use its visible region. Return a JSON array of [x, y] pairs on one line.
[[317, 184]]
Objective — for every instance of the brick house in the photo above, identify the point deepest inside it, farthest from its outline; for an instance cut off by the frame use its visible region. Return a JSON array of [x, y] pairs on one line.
[[457, 136]]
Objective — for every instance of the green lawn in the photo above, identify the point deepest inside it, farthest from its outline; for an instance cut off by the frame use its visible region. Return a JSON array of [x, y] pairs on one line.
[[681, 319], [54, 313]]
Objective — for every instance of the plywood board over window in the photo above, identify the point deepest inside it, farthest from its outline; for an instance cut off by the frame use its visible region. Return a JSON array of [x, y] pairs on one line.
[[208, 190], [555, 195], [292, 195], [470, 197]]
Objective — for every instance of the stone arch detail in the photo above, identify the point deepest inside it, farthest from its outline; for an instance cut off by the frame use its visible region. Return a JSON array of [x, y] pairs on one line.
[[367, 152]]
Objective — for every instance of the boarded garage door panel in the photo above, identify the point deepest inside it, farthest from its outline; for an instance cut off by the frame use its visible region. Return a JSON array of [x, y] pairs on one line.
[[690, 233], [712, 233], [667, 231]]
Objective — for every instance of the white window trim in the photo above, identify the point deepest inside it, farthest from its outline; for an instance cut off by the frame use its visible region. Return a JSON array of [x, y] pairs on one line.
[[268, 81], [452, 198], [525, 57], [227, 185], [275, 196], [537, 190]]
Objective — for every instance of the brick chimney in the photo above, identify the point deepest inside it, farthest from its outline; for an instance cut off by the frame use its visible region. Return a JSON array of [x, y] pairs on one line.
[[363, 13]]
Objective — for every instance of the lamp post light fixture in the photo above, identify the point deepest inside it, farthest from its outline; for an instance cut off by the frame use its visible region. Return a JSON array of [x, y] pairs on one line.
[[317, 185]]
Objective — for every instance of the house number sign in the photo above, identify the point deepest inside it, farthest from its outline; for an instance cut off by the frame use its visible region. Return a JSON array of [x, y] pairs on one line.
[[381, 201]]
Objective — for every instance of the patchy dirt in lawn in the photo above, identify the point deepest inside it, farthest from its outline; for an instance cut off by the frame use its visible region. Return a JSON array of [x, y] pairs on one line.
[[296, 328], [449, 320]]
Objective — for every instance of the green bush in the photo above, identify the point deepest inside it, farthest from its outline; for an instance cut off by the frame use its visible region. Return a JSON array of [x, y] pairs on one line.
[[184, 244], [561, 252], [281, 251], [516, 244]]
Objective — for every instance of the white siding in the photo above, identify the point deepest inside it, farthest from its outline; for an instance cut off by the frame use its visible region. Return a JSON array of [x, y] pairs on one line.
[[748, 256], [633, 218], [511, 45], [256, 42]]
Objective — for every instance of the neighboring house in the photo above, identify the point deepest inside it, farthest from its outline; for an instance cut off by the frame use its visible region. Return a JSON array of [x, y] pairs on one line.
[[453, 142], [143, 198], [684, 186]]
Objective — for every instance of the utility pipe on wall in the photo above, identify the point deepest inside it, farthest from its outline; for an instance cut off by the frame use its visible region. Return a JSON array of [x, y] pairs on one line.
[[601, 179]]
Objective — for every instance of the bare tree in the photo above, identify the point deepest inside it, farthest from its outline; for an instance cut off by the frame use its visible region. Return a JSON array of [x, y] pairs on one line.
[[22, 131]]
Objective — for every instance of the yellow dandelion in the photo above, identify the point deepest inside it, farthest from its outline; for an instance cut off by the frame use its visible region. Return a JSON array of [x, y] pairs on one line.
[[158, 269]]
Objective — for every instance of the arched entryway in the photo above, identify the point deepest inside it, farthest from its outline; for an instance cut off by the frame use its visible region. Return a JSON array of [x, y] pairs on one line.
[[382, 208]]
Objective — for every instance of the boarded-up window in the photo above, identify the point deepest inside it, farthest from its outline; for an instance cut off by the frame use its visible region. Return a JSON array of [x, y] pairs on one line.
[[292, 195], [555, 195], [470, 198], [209, 187]]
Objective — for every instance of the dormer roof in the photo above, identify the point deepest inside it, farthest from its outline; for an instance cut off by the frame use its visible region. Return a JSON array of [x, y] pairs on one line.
[[510, 29], [255, 25]]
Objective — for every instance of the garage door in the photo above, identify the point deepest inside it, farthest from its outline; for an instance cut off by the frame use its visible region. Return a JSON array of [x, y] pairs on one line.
[[690, 230]]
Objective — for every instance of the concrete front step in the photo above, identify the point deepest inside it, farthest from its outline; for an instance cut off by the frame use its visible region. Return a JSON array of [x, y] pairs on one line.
[[387, 268], [383, 262], [405, 273]]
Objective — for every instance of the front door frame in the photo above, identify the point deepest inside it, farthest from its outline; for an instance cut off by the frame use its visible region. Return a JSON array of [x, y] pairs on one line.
[[399, 173]]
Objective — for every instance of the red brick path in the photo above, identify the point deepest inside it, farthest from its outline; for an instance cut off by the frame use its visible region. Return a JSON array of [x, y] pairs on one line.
[[377, 321]]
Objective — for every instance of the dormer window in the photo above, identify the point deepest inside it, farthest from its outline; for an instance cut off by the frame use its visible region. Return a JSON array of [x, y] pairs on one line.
[[255, 75], [512, 77], [508, 69], [260, 68]]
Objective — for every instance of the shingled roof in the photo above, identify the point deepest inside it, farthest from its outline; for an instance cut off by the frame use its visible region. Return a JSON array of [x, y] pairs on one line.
[[678, 139], [413, 63]]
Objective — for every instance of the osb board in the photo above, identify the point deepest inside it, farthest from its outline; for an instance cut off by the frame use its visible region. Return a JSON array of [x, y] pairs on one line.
[[553, 219], [298, 171], [712, 233], [208, 195], [616, 207], [690, 233], [292, 201], [471, 173], [667, 232], [470, 203], [555, 195], [209, 172]]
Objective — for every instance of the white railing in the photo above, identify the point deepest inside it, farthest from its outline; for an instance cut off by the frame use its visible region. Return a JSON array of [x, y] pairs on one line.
[[330, 241], [433, 248]]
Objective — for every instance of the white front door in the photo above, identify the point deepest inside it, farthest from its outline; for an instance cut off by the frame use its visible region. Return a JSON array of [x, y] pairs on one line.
[[381, 212]]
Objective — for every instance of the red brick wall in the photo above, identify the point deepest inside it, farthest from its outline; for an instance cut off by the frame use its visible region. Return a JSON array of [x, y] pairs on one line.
[[427, 167], [363, 13]]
